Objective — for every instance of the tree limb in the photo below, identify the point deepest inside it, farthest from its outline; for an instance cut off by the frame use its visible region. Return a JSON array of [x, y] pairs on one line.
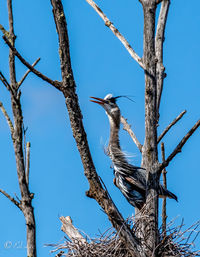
[[159, 40], [26, 197], [4, 81], [179, 147], [116, 32], [54, 83], [170, 125], [127, 127], [6, 84], [27, 162], [7, 118], [26, 74], [68, 88], [11, 199], [69, 229], [164, 203]]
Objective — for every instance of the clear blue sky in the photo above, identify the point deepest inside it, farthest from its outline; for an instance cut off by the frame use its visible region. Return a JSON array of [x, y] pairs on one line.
[[101, 65]]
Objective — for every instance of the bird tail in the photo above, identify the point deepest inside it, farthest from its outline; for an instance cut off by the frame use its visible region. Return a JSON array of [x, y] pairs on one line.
[[166, 193]]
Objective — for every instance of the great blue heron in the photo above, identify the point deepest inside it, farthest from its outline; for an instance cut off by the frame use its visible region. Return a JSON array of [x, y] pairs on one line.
[[131, 180]]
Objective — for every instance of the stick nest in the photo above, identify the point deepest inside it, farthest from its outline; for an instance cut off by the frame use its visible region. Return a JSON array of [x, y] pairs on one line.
[[173, 242]]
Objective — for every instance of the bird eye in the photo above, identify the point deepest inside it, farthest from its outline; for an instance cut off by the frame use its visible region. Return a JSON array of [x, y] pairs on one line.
[[112, 100]]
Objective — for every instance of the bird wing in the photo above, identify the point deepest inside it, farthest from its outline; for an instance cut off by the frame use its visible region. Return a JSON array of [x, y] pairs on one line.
[[135, 184]]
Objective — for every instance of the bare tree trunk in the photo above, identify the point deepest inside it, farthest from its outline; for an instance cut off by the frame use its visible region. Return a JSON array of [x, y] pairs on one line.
[[68, 89], [17, 137], [152, 63], [149, 153]]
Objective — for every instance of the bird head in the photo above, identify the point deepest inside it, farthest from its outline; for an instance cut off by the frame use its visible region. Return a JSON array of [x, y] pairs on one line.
[[110, 106]]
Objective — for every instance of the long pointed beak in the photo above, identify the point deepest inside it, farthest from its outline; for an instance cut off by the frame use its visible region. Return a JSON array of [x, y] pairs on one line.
[[100, 100]]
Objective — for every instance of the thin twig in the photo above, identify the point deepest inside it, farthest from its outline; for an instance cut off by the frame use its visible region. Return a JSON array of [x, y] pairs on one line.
[[116, 32], [7, 118], [127, 127], [28, 145], [54, 83], [11, 199], [170, 125], [179, 146], [26, 74], [164, 213]]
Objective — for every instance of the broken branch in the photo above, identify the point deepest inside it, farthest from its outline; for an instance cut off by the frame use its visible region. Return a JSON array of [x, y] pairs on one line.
[[28, 145], [69, 229]]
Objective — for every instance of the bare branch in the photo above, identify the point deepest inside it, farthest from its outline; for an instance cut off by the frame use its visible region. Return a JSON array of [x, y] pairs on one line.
[[69, 229], [6, 84], [11, 199], [26, 74], [164, 203], [5, 32], [179, 146], [4, 81], [28, 145], [159, 40], [170, 125], [54, 83], [116, 32], [127, 128], [26, 197], [7, 118], [68, 88]]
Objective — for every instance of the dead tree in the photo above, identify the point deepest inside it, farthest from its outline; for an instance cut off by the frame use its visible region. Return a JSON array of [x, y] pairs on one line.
[[17, 132], [154, 72]]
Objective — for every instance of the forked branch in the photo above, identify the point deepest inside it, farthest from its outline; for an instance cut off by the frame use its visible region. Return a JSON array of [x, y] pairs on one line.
[[11, 198], [179, 146], [116, 32], [170, 125], [127, 127], [26, 74], [54, 83]]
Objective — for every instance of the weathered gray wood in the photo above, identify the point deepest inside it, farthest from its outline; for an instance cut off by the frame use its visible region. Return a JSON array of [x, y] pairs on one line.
[[68, 88], [17, 137], [127, 127], [159, 40], [69, 229], [149, 153]]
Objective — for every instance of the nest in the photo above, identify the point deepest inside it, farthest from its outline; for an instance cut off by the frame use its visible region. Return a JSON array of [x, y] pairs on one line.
[[173, 242]]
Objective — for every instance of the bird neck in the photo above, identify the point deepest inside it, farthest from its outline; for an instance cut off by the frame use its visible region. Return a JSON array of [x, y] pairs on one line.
[[114, 134]]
